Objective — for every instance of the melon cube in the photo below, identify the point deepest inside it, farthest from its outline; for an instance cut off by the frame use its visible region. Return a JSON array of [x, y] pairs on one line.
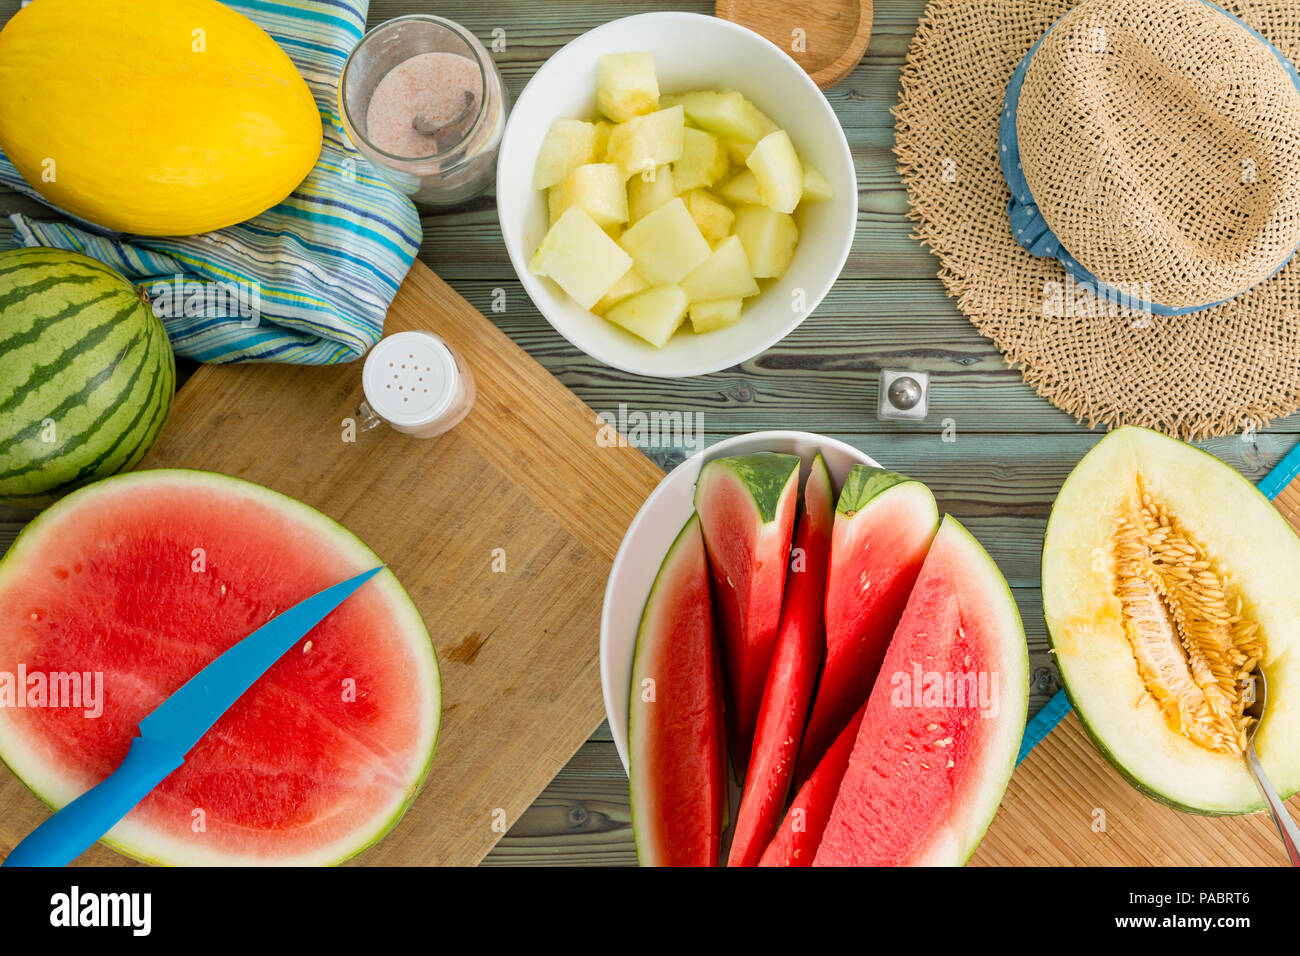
[[738, 150], [769, 238], [724, 275], [703, 161], [714, 218], [553, 208], [714, 315], [578, 255], [599, 190], [654, 314], [624, 288], [645, 142], [666, 245], [726, 114], [779, 171], [816, 187], [601, 145], [626, 85], [649, 190], [568, 145], [741, 189]]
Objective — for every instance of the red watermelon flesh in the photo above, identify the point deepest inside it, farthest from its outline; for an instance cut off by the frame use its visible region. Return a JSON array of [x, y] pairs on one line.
[[147, 577], [787, 694], [943, 725], [884, 524], [676, 759], [747, 506], [800, 833]]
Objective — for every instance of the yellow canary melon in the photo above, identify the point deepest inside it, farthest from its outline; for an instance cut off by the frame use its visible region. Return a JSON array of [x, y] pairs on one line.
[[153, 117]]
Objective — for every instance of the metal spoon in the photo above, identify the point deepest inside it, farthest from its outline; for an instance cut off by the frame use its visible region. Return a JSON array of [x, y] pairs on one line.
[[1286, 827], [428, 129]]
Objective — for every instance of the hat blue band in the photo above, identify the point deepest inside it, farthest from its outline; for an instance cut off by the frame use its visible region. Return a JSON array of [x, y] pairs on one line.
[[1027, 223]]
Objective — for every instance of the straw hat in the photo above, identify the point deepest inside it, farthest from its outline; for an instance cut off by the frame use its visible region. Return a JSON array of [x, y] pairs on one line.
[[1112, 188]]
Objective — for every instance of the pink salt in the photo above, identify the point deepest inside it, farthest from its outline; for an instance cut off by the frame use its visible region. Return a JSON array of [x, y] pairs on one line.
[[431, 86]]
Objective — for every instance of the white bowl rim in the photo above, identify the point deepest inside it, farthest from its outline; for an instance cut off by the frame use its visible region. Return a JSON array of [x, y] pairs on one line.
[[773, 438], [528, 281]]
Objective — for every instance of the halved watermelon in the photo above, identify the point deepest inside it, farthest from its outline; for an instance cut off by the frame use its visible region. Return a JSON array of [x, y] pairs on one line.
[[788, 691], [943, 724], [676, 760], [141, 580], [800, 833], [747, 508], [883, 525]]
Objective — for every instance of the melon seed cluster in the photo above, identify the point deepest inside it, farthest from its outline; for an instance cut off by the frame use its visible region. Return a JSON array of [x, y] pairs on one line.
[[682, 204], [1195, 652]]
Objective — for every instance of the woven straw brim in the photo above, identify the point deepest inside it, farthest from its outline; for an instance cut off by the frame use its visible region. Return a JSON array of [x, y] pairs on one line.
[[1161, 143], [1210, 373]]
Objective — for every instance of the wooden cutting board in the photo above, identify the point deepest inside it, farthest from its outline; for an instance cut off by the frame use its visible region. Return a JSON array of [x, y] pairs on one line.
[[519, 648], [1067, 806]]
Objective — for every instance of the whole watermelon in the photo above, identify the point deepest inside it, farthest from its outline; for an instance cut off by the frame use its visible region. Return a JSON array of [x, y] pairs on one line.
[[86, 375]]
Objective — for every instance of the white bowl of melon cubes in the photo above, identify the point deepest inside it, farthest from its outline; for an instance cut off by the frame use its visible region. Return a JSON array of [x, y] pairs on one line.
[[675, 194]]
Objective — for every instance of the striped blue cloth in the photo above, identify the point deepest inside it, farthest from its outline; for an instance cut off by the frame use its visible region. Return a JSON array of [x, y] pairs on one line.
[[310, 280]]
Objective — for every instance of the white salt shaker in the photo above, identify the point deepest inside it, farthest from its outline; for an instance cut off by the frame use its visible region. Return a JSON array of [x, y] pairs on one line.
[[416, 383]]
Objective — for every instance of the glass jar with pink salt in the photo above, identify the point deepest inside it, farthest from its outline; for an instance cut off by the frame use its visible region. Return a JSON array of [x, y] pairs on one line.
[[422, 100]]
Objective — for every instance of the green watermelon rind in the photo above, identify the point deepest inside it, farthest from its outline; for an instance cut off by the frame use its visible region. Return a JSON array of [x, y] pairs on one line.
[[644, 853], [865, 484], [114, 316], [766, 476], [330, 530]]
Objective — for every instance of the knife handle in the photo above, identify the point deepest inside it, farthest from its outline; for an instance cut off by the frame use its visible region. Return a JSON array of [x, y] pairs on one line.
[[74, 829]]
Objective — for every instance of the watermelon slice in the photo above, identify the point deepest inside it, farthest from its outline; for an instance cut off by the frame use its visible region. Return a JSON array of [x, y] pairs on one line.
[[943, 725], [787, 694], [883, 525], [140, 581], [800, 833], [676, 763], [747, 508]]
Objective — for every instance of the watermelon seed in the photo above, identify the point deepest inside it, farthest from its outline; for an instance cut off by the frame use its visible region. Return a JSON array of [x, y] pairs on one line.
[[931, 726], [951, 763], [946, 742], [306, 647]]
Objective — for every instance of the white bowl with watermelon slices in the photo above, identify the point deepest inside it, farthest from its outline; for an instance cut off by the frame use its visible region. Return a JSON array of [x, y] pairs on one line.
[[651, 534]]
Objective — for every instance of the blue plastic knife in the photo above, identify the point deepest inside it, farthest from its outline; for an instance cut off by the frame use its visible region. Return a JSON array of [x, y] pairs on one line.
[[174, 727]]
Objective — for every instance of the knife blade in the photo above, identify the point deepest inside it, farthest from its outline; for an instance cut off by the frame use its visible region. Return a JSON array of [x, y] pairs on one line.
[[173, 728]]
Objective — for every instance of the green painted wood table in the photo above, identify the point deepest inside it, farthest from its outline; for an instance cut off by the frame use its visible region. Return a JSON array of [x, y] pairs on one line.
[[994, 452]]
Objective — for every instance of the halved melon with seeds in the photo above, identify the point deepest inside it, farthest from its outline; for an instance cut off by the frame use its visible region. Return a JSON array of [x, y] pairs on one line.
[[1168, 581]]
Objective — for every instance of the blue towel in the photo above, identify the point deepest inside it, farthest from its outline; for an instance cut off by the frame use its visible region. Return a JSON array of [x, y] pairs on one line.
[[308, 281], [1054, 711]]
